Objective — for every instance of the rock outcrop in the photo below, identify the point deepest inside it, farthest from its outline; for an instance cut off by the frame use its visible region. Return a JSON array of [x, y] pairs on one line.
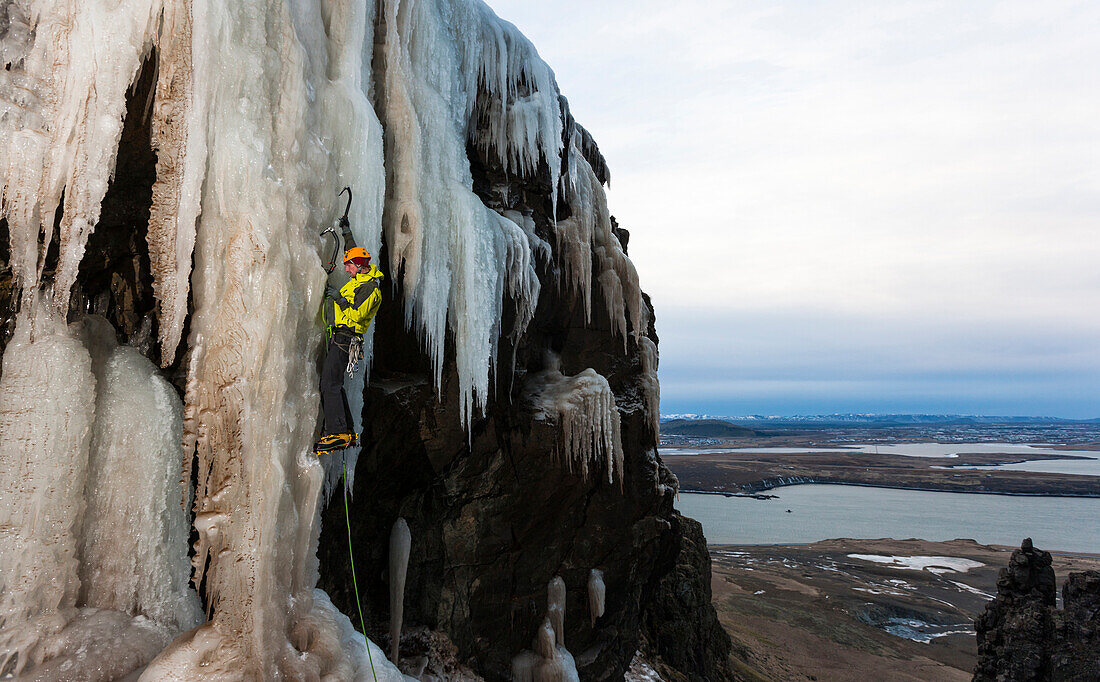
[[1022, 635], [1076, 651], [682, 632]]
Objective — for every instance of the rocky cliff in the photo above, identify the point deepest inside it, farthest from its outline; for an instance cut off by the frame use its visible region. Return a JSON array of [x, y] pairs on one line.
[[495, 513], [1024, 636]]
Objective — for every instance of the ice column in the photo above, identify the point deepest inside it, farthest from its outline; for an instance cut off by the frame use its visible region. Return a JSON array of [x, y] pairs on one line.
[[61, 109], [550, 661], [134, 540], [597, 593], [400, 543], [287, 124], [555, 608], [47, 401]]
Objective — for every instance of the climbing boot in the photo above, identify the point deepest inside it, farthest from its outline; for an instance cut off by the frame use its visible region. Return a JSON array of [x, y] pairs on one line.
[[335, 441]]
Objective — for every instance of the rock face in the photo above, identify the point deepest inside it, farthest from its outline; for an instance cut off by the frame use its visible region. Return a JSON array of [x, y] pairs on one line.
[[495, 515], [1024, 636], [1076, 651], [681, 627]]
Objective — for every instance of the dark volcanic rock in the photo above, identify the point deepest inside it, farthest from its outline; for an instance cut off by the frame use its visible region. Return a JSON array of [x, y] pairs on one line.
[[681, 626], [1023, 636], [1076, 651], [1015, 631]]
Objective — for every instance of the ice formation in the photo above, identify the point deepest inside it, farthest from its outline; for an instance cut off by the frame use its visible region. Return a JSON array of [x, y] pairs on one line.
[[445, 65], [178, 137], [550, 661], [64, 97], [586, 236], [647, 351], [555, 608], [262, 110], [92, 557], [597, 594], [47, 402], [583, 407], [138, 426], [400, 543]]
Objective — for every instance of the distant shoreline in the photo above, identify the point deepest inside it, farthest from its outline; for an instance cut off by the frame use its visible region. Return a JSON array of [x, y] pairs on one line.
[[757, 496], [779, 458]]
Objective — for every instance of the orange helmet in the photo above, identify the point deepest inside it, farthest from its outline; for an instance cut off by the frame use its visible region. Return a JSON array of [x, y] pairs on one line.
[[355, 253]]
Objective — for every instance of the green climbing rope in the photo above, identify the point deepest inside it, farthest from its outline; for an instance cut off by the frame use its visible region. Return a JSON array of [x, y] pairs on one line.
[[351, 558]]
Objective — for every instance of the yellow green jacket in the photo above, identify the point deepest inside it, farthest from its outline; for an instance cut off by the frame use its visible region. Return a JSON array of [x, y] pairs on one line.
[[358, 301]]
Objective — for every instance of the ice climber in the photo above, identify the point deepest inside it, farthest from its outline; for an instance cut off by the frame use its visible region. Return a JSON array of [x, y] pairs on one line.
[[353, 307]]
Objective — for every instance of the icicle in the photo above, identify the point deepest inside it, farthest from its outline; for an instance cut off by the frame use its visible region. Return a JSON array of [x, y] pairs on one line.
[[444, 68], [587, 235], [522, 282], [651, 387], [555, 608], [62, 130], [597, 593], [180, 143], [583, 406], [539, 246], [400, 542], [613, 296]]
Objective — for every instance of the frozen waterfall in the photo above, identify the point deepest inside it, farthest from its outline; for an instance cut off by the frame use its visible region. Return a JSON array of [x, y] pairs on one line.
[[262, 110]]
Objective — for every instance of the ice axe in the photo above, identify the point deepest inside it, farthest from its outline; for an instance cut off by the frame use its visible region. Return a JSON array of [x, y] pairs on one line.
[[345, 226]]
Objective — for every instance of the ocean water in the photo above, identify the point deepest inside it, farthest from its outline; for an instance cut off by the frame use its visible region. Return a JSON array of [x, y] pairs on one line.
[[821, 512]]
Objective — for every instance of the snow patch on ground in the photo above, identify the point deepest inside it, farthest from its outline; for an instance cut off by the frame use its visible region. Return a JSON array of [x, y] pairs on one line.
[[967, 588], [932, 564]]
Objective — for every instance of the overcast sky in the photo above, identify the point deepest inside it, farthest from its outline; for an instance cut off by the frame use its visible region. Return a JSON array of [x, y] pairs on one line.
[[851, 206]]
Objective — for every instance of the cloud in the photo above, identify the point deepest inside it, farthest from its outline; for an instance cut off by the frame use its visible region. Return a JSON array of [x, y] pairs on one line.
[[814, 362], [921, 164]]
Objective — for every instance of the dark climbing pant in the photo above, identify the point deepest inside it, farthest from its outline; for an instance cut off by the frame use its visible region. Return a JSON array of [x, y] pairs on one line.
[[333, 398]]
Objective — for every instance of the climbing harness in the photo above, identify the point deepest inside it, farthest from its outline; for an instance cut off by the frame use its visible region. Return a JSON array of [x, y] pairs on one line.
[[355, 354], [351, 560]]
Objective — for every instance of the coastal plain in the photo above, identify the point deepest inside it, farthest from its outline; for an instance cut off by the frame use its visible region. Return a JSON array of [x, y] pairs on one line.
[[848, 609], [742, 463], [882, 608]]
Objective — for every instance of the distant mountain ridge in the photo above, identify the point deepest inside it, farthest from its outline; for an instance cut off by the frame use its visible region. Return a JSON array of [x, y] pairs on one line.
[[874, 419], [705, 428]]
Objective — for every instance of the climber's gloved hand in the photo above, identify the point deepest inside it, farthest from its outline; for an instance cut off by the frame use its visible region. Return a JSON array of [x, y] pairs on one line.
[[332, 291]]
